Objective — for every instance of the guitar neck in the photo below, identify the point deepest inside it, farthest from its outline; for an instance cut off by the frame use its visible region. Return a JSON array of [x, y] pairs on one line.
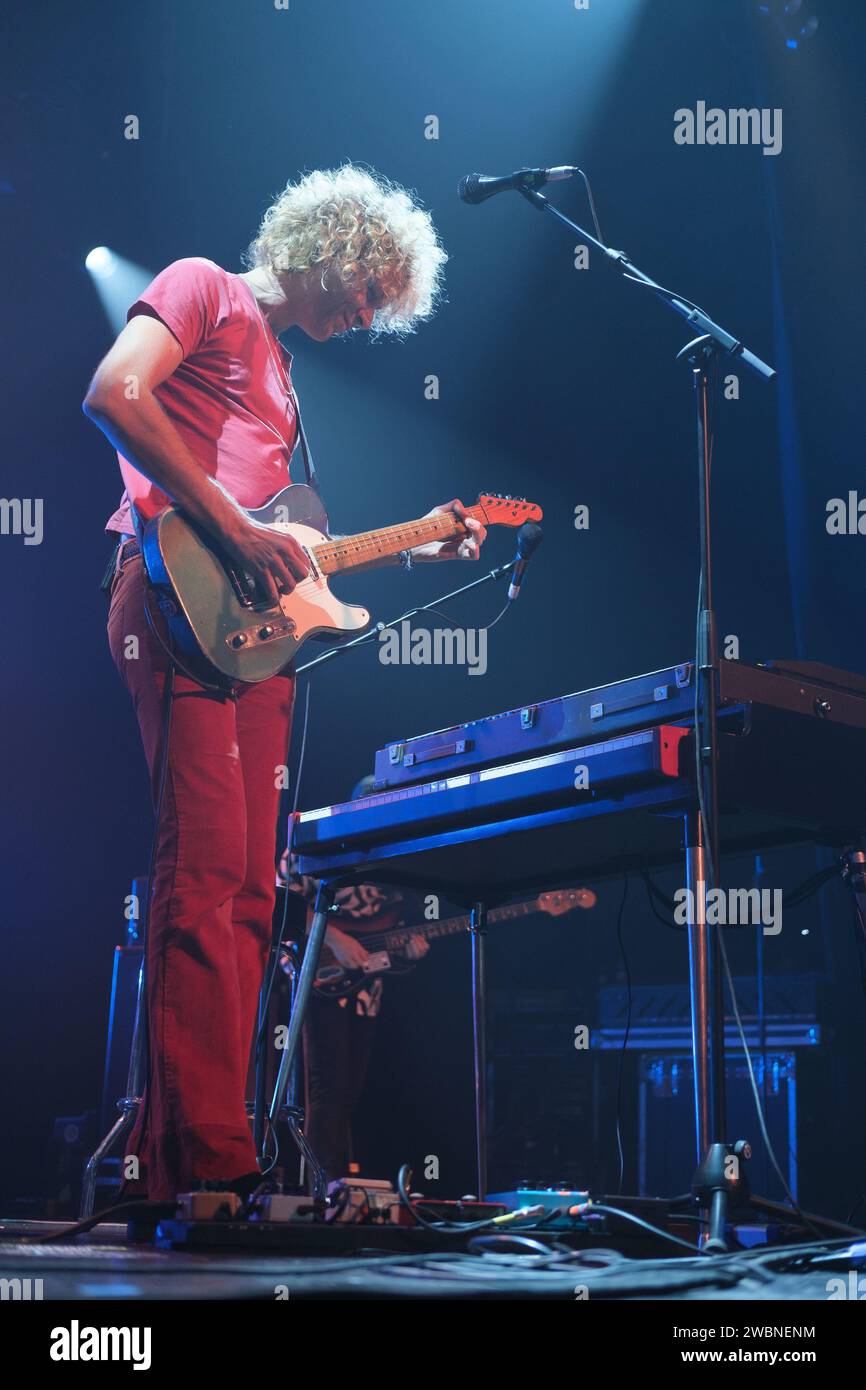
[[334, 556], [452, 925]]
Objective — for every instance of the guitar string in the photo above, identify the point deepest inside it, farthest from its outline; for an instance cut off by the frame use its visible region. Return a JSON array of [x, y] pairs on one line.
[[370, 540], [366, 546], [452, 924]]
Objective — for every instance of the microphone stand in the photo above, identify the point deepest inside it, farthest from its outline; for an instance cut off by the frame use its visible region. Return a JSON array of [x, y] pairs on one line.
[[712, 1183], [373, 632]]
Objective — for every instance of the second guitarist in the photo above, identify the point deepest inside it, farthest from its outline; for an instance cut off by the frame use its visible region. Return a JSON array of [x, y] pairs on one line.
[[340, 1030]]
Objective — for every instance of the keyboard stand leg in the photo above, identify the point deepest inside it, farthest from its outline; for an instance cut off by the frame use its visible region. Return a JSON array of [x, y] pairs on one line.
[[478, 934]]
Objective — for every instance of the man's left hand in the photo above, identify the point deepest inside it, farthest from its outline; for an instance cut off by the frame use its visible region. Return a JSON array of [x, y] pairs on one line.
[[462, 547], [416, 947]]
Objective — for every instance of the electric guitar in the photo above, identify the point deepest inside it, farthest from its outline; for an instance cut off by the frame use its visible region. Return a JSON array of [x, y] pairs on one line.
[[334, 981], [216, 610]]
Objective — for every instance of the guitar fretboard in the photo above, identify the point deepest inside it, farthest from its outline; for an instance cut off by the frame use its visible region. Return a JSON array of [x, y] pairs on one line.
[[392, 940], [351, 551]]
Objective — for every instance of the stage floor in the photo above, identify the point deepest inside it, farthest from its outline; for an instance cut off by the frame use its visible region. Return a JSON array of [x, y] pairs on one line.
[[105, 1265]]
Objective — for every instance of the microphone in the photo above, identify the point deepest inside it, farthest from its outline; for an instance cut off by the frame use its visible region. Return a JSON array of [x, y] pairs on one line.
[[529, 538], [475, 188]]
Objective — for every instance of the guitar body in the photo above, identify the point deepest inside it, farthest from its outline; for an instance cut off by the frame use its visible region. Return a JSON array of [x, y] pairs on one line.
[[336, 981], [214, 611]]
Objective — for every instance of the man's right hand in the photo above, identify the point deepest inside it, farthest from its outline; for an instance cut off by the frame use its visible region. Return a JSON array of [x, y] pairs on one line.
[[347, 949], [276, 561]]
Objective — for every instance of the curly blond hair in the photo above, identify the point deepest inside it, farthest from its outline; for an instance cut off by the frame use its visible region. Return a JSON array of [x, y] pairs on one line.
[[368, 229]]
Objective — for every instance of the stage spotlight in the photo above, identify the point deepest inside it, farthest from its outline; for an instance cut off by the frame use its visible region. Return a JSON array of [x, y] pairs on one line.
[[100, 261], [118, 282]]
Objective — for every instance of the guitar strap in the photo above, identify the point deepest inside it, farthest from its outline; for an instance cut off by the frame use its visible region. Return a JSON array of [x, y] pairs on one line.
[[310, 474]]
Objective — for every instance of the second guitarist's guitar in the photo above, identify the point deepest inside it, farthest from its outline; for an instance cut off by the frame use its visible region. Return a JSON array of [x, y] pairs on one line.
[[217, 611], [385, 948]]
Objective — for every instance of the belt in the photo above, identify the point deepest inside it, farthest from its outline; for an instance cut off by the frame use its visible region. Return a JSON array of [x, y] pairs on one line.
[[127, 548]]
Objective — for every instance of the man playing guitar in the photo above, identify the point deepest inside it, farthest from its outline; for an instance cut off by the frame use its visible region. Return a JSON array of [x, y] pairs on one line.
[[197, 398]]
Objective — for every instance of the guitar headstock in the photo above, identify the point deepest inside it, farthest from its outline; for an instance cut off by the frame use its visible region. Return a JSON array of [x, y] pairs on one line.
[[566, 900], [507, 511]]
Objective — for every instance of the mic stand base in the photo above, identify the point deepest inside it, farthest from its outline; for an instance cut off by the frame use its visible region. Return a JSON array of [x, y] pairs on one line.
[[720, 1182]]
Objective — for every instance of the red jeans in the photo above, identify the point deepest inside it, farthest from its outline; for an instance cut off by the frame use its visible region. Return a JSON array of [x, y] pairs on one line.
[[211, 901]]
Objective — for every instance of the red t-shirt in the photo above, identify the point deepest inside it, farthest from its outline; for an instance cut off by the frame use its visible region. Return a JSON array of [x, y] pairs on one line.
[[227, 398]]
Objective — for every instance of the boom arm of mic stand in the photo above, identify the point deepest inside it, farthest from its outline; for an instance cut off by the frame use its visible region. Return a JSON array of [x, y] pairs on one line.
[[378, 627], [691, 312]]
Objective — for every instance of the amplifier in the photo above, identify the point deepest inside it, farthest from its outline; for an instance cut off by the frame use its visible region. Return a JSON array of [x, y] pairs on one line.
[[660, 1015], [666, 1098]]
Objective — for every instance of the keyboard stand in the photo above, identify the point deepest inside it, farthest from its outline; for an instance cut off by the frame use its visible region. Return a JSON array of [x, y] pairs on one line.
[[301, 992]]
